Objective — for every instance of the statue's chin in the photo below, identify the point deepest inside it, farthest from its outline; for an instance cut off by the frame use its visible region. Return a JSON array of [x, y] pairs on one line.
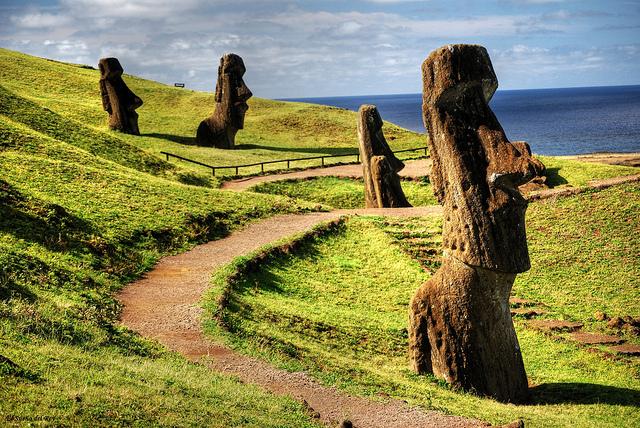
[[238, 120]]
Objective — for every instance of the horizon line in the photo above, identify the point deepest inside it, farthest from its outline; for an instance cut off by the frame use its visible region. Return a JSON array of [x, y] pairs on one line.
[[414, 93]]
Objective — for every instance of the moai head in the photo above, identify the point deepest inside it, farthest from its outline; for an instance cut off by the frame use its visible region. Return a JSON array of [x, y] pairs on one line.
[[476, 170], [117, 99], [231, 91], [370, 130], [110, 68]]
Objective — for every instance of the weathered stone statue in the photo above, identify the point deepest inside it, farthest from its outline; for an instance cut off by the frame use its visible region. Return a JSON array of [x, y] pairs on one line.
[[380, 167], [460, 324], [117, 99], [231, 98]]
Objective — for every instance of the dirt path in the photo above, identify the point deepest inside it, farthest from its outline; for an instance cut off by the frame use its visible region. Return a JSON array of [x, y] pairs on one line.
[[165, 305], [413, 169], [626, 159]]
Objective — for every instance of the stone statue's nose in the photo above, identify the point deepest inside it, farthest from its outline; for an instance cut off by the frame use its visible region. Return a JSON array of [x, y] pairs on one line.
[[243, 91]]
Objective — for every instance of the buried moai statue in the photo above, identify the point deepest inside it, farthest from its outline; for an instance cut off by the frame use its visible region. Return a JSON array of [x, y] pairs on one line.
[[231, 97], [460, 327], [117, 99], [380, 167]]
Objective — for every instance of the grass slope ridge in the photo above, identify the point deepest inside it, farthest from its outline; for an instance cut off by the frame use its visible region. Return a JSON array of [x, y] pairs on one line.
[[101, 144], [170, 116], [337, 308]]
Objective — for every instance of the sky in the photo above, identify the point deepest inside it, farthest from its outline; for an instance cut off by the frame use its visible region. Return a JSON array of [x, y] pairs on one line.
[[334, 48]]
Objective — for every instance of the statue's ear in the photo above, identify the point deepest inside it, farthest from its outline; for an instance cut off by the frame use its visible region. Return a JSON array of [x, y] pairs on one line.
[[218, 96], [435, 175]]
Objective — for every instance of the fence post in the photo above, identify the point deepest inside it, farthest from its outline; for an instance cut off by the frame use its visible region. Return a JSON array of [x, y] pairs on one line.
[[262, 167], [167, 156], [236, 170], [288, 163], [425, 151], [213, 171], [322, 160]]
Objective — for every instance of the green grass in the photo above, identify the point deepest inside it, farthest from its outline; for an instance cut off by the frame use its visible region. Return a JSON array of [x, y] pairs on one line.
[[338, 308], [585, 256], [109, 388], [340, 192], [82, 212], [170, 116]]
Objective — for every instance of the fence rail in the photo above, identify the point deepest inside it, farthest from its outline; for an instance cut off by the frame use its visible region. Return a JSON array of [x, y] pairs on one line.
[[288, 161]]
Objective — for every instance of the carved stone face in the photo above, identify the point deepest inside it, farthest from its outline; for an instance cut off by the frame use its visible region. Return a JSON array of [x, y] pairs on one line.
[[370, 129], [231, 91], [110, 68], [476, 170]]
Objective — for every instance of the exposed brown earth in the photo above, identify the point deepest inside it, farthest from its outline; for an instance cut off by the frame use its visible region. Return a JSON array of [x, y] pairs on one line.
[[165, 305], [627, 349], [413, 169], [555, 325], [595, 338]]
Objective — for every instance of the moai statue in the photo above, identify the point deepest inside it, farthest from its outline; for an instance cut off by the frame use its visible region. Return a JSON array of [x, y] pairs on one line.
[[117, 99], [460, 326], [231, 97], [380, 167]]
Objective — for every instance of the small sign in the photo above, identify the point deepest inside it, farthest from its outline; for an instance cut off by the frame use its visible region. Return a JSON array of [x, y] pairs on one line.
[[179, 85]]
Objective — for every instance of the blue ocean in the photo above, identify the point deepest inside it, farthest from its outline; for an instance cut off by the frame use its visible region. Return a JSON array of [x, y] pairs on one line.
[[563, 121]]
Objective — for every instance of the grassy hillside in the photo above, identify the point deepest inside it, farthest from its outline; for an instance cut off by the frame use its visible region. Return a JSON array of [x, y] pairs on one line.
[[170, 116], [338, 308], [82, 212]]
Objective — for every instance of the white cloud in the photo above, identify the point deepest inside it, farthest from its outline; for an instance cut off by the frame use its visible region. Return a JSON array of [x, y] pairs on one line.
[[289, 51], [138, 9], [40, 20]]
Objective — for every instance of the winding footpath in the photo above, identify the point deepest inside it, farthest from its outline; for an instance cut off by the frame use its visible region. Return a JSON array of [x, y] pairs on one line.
[[165, 305], [413, 169]]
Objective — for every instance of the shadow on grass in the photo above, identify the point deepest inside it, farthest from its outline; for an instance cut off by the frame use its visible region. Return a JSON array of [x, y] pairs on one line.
[[47, 224], [180, 139], [584, 393], [554, 178]]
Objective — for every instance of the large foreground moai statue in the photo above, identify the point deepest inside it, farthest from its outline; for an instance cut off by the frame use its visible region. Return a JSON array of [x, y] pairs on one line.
[[460, 324], [117, 99], [231, 98], [380, 167]]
